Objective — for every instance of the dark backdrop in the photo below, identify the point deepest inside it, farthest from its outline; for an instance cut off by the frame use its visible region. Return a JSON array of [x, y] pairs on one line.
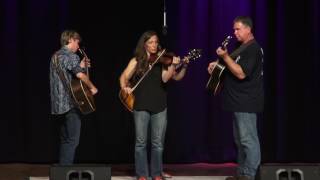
[[198, 130]]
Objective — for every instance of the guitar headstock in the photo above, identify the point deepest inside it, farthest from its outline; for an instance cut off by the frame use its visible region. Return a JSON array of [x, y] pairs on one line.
[[226, 41], [194, 54]]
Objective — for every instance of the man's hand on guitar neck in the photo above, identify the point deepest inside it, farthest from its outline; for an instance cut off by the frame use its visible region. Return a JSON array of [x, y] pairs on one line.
[[222, 52], [85, 62], [235, 68]]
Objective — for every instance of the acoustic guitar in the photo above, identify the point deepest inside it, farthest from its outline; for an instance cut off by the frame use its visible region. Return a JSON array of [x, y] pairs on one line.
[[81, 92], [128, 99], [213, 83]]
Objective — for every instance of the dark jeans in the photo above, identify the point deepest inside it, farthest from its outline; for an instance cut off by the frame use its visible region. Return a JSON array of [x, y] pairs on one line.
[[69, 136]]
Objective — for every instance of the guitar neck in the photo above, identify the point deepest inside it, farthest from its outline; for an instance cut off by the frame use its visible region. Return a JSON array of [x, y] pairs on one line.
[[86, 57]]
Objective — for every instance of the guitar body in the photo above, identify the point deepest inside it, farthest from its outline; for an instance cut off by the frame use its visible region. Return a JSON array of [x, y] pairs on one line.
[[127, 99], [214, 83], [82, 96]]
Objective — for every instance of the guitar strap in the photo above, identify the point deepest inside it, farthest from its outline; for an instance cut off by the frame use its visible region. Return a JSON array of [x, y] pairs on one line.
[[62, 75], [241, 48]]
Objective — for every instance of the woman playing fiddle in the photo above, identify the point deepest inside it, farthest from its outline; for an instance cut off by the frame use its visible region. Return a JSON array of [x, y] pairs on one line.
[[150, 105]]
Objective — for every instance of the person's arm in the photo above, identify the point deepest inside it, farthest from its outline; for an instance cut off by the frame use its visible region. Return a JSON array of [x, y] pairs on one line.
[[168, 73], [235, 68], [73, 64], [84, 78], [179, 75], [126, 76]]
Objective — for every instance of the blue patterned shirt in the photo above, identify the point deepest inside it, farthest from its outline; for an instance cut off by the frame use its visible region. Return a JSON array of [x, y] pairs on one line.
[[61, 99]]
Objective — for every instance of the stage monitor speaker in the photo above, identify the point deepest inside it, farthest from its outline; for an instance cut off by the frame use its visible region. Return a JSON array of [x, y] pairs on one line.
[[289, 172], [80, 172]]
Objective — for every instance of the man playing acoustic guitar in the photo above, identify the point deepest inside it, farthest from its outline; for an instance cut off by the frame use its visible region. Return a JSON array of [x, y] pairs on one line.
[[243, 95], [65, 64]]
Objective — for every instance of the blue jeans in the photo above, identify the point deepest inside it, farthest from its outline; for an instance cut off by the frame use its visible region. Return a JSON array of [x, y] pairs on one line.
[[69, 136], [158, 123], [247, 141]]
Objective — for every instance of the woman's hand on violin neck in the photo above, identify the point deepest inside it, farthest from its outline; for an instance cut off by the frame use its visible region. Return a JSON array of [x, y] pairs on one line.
[[176, 60], [186, 60]]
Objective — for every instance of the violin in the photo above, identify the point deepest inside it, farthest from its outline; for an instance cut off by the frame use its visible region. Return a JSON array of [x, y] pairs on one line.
[[165, 59]]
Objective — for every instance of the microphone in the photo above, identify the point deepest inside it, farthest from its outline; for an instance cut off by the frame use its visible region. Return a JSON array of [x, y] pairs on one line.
[[165, 27]]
